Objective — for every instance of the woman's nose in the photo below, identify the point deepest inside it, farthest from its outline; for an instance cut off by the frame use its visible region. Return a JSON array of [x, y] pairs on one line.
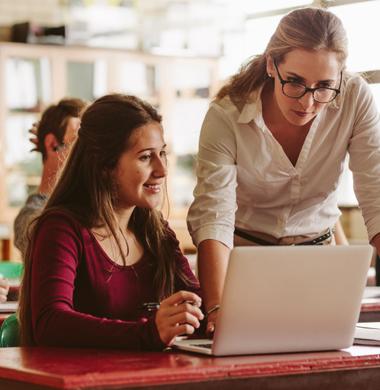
[[160, 169], [307, 100]]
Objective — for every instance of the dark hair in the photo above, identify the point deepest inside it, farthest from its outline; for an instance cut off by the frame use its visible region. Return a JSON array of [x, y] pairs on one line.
[[306, 28], [54, 120], [85, 189]]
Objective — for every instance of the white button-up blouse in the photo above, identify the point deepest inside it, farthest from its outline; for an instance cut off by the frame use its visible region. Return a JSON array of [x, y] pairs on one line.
[[246, 179]]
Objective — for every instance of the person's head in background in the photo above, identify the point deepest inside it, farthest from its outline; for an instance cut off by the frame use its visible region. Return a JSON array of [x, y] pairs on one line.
[[56, 132], [116, 172], [309, 45]]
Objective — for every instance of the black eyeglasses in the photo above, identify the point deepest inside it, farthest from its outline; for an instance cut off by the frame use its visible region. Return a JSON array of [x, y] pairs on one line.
[[296, 90]]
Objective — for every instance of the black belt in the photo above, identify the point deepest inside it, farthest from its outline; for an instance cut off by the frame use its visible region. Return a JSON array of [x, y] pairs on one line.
[[260, 241]]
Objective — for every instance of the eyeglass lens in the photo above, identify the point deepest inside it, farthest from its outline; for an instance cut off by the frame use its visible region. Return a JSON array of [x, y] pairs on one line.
[[296, 90]]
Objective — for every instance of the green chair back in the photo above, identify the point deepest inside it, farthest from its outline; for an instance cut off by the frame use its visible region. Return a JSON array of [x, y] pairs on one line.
[[9, 332], [10, 269]]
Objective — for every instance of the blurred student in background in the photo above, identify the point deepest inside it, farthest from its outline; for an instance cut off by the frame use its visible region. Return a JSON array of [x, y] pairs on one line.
[[55, 133]]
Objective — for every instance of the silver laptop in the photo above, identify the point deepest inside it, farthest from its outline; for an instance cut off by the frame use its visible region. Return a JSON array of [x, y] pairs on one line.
[[288, 299]]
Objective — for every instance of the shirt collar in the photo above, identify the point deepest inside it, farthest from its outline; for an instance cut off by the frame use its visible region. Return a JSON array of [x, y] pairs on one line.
[[252, 110]]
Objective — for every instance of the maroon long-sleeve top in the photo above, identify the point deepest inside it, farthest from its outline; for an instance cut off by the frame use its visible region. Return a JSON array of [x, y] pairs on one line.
[[80, 297]]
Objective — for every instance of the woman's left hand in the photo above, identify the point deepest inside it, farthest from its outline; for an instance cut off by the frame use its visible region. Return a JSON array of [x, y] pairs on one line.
[[178, 314]]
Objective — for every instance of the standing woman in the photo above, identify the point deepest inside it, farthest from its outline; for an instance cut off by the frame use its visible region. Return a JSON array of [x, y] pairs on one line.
[[272, 149], [101, 253]]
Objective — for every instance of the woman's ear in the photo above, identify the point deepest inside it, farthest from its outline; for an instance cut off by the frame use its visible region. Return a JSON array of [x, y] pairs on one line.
[[51, 144], [270, 66]]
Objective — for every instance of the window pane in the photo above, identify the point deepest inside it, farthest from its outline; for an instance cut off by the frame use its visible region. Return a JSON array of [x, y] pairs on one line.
[[23, 167], [250, 6], [361, 22], [185, 124], [80, 80], [258, 33], [134, 79], [28, 83]]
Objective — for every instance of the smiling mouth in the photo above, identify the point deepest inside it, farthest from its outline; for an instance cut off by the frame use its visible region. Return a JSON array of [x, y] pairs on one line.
[[153, 187]]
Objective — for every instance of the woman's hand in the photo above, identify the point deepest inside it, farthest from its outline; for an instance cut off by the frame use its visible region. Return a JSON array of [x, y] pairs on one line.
[[4, 289], [211, 321], [179, 314]]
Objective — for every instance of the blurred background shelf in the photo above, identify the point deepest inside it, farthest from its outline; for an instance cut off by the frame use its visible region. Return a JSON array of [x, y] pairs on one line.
[[33, 76], [175, 54]]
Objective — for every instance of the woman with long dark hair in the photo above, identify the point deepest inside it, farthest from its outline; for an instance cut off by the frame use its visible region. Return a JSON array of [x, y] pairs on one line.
[[103, 268]]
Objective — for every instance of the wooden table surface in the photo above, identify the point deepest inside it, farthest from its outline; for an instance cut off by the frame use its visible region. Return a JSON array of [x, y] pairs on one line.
[[64, 368]]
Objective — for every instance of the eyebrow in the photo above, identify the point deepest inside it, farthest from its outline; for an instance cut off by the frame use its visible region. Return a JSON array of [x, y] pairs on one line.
[[292, 74], [151, 149]]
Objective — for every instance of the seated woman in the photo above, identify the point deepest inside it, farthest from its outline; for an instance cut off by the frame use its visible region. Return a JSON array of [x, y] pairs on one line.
[[101, 253]]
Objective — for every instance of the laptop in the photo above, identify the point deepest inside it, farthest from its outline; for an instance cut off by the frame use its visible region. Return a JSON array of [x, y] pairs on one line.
[[288, 299]]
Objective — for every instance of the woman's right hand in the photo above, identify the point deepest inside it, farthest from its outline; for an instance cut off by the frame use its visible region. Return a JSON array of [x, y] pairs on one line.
[[178, 314], [211, 321]]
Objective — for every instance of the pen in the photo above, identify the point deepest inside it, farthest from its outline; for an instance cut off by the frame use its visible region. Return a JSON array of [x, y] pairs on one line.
[[151, 306]]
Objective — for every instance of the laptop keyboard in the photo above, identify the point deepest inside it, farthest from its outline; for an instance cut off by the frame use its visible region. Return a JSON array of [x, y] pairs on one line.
[[202, 345]]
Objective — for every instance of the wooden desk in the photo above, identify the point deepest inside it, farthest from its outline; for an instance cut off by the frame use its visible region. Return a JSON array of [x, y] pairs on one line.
[[55, 368]]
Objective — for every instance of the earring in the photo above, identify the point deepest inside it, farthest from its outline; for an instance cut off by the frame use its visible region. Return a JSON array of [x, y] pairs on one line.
[[270, 75]]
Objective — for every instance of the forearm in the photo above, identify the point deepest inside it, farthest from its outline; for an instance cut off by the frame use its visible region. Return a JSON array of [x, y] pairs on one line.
[[212, 266], [69, 328]]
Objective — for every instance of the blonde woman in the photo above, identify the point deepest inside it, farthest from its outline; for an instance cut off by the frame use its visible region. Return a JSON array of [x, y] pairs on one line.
[[272, 149]]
